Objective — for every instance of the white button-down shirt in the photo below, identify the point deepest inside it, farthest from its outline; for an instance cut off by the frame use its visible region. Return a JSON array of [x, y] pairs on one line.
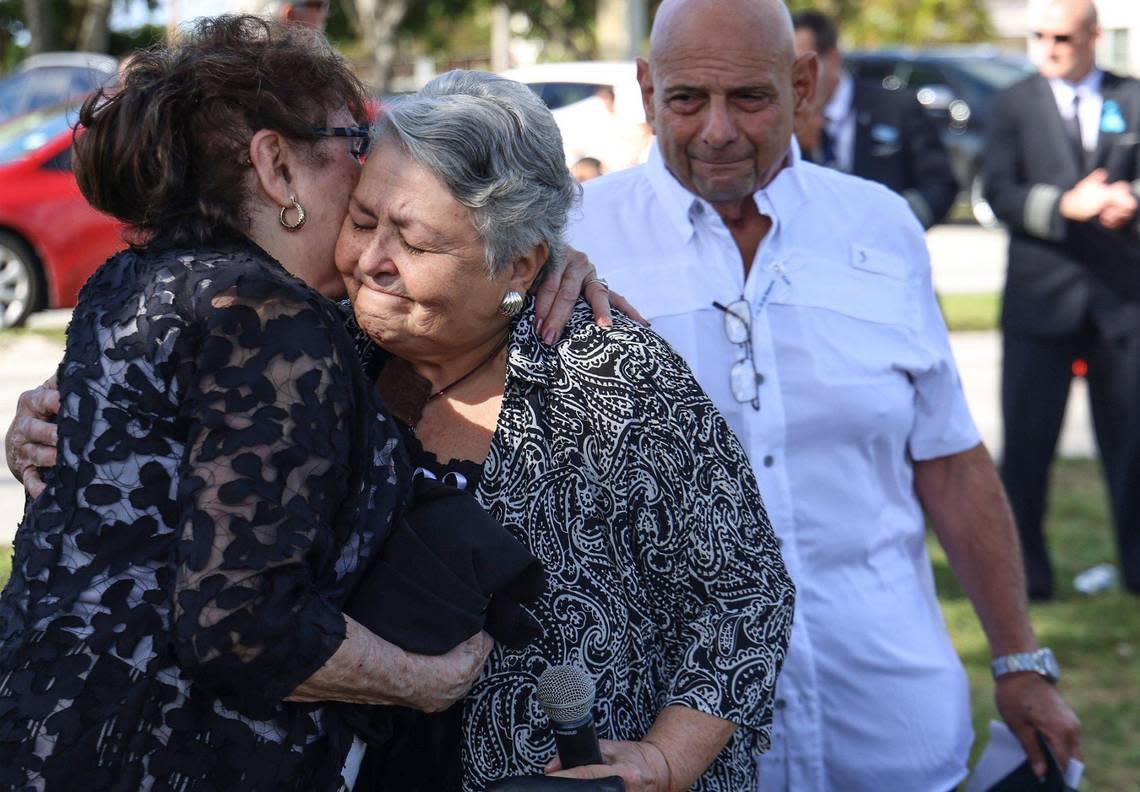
[[1089, 108], [858, 381], [840, 115]]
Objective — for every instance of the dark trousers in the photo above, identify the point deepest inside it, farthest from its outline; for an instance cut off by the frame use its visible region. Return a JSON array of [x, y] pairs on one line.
[[1036, 374]]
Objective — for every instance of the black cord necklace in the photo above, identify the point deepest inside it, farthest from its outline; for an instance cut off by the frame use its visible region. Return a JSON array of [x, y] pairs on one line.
[[498, 348]]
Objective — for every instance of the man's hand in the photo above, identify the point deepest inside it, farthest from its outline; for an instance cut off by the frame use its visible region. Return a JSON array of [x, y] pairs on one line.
[[1121, 207], [31, 440], [1029, 703], [641, 765], [1087, 198]]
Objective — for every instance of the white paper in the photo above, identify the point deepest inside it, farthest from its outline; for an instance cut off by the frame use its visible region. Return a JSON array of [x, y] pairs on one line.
[[1001, 757]]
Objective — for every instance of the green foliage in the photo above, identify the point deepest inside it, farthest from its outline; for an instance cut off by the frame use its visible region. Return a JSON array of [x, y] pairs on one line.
[[444, 27], [64, 19], [127, 41], [876, 23]]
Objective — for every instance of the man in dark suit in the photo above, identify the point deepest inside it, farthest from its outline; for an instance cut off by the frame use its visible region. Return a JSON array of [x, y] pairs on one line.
[[870, 131], [1062, 166]]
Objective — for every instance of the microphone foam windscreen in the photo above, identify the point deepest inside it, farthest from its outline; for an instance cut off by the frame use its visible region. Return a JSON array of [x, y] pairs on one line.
[[566, 693]]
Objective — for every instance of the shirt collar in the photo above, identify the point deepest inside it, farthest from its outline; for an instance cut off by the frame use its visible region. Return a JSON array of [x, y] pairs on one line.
[[782, 196], [528, 358], [839, 106], [1089, 86]]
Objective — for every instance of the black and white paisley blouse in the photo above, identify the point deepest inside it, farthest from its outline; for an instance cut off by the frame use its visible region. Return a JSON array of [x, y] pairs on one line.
[[664, 580], [224, 473]]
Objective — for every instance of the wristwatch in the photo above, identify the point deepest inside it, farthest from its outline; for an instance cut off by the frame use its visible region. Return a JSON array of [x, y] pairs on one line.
[[1041, 662]]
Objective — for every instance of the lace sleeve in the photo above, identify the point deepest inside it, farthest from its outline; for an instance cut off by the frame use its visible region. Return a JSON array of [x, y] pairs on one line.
[[266, 470]]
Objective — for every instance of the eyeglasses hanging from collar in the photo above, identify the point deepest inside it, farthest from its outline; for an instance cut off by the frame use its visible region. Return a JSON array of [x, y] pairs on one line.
[[745, 380]]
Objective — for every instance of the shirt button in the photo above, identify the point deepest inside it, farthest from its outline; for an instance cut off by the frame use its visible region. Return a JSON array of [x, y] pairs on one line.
[[780, 704], [769, 461], [759, 378], [779, 542]]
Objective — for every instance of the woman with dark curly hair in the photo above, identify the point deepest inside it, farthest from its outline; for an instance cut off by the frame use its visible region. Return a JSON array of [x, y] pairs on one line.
[[174, 619]]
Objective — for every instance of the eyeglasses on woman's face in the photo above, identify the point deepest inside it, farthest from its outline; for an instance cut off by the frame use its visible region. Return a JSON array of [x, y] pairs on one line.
[[361, 137]]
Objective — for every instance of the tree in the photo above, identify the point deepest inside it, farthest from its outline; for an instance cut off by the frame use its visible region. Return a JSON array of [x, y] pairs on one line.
[[62, 24], [873, 23]]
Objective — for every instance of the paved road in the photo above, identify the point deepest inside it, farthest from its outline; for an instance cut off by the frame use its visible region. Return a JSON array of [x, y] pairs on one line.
[[964, 258]]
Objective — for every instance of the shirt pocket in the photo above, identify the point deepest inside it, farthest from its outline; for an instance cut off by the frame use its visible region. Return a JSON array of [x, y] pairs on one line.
[[859, 281]]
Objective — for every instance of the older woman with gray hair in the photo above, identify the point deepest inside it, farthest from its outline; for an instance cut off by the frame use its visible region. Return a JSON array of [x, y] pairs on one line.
[[601, 453]]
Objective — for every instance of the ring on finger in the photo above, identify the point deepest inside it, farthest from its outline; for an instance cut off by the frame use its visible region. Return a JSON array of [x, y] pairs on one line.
[[600, 281]]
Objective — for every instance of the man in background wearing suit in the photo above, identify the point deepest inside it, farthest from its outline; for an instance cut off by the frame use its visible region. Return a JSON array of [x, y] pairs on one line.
[[876, 133], [1062, 169]]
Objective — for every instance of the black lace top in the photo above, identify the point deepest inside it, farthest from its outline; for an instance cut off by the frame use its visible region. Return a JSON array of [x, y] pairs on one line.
[[224, 473]]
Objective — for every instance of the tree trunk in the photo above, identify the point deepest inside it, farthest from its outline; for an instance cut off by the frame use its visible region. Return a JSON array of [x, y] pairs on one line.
[[95, 33], [41, 25], [379, 20]]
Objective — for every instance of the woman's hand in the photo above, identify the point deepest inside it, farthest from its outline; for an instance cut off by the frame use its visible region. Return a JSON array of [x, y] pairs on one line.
[[556, 295], [641, 765], [366, 669], [32, 439]]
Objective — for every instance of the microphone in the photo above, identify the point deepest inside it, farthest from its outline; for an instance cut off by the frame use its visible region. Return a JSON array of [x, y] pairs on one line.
[[566, 694]]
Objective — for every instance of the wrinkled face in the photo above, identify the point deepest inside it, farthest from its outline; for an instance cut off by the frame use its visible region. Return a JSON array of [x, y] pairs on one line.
[[413, 263], [723, 114], [1063, 43]]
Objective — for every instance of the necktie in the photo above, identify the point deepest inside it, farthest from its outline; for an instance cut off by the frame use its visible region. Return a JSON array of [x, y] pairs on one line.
[[1073, 127]]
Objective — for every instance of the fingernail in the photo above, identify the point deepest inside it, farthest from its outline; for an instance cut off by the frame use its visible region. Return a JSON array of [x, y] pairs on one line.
[[549, 337], [1039, 771], [538, 326]]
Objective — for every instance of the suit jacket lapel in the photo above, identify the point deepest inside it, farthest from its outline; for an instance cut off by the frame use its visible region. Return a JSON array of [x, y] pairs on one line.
[[1054, 125], [1109, 89]]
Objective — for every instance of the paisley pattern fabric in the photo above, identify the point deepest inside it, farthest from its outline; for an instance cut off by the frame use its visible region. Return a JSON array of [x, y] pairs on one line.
[[224, 473], [664, 578]]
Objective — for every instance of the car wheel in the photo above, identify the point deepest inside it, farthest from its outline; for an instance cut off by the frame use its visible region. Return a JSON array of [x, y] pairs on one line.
[[21, 285], [980, 207]]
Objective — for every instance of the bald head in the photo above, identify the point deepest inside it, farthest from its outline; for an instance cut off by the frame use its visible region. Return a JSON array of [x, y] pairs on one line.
[[1064, 38], [721, 89], [677, 21]]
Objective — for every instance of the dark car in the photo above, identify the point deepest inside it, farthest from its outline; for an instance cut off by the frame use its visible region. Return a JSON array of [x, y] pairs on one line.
[[956, 87]]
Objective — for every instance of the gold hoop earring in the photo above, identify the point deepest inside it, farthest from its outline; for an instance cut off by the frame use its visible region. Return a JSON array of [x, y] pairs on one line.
[[512, 304], [300, 215]]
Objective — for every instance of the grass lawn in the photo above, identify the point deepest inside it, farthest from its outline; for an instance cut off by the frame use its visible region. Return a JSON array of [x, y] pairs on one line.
[[1097, 639], [971, 311]]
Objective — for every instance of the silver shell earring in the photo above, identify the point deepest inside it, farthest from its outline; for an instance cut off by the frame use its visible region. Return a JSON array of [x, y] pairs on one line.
[[512, 304]]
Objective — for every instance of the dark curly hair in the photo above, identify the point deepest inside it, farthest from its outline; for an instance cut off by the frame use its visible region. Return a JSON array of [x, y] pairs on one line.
[[167, 150]]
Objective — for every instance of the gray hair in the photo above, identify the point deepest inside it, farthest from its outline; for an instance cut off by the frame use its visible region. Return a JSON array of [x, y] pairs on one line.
[[495, 145]]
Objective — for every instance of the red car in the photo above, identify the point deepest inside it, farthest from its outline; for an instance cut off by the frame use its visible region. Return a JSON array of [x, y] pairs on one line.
[[51, 240]]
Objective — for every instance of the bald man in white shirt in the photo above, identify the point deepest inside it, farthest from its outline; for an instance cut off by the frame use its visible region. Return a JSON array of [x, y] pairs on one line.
[[801, 298]]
